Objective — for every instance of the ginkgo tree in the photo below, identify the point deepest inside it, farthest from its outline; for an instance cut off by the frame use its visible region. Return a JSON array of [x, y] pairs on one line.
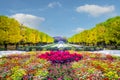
[[12, 32], [105, 33], [9, 31]]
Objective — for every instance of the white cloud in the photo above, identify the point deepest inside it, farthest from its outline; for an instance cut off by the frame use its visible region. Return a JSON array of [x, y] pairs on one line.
[[28, 20], [95, 10], [54, 4], [77, 30]]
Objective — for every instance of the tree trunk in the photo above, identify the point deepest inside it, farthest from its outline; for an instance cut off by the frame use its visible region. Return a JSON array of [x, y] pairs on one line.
[[17, 45], [23, 45], [33, 44], [28, 44], [116, 46], [5, 46]]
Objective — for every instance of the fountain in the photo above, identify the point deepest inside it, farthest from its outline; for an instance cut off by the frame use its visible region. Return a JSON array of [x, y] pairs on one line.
[[60, 44]]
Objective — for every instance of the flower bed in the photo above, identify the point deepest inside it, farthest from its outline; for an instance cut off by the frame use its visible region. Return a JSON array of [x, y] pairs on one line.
[[97, 67], [56, 66], [26, 66], [60, 57]]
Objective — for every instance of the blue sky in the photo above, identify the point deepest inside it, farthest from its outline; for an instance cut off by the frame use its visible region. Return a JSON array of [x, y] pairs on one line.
[[60, 17]]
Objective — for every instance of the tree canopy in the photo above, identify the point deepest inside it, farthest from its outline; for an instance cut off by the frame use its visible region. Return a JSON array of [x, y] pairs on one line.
[[107, 32], [12, 32]]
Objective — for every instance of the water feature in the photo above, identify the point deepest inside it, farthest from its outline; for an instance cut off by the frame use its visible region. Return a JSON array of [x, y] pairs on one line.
[[60, 44]]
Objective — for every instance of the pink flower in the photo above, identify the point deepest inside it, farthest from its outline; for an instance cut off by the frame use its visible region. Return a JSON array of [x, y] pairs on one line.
[[59, 79], [60, 56]]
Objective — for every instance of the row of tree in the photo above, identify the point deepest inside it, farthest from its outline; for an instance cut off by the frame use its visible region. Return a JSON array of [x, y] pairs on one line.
[[105, 33], [12, 32]]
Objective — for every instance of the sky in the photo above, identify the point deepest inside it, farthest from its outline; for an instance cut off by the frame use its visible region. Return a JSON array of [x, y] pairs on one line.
[[60, 17]]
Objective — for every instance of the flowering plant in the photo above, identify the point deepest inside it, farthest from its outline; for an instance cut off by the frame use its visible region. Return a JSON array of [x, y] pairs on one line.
[[60, 56]]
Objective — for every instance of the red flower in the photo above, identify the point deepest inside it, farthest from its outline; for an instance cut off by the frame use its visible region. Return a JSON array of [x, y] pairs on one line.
[[60, 56]]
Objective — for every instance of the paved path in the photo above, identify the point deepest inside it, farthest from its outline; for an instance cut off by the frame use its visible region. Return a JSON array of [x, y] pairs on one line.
[[2, 53], [112, 52]]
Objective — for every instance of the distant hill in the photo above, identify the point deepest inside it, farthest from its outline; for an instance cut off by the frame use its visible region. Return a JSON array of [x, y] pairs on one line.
[[59, 38]]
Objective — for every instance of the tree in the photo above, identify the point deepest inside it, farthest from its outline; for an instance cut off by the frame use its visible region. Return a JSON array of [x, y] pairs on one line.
[[107, 32], [10, 30]]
